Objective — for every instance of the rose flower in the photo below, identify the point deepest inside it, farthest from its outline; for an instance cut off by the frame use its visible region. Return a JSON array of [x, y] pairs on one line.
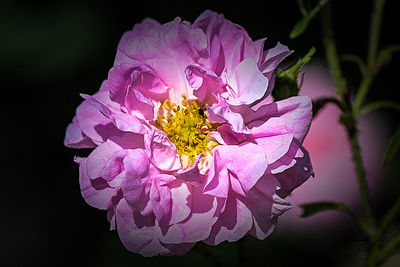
[[188, 144]]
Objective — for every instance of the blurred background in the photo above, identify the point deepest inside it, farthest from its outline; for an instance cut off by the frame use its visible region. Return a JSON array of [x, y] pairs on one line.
[[50, 51]]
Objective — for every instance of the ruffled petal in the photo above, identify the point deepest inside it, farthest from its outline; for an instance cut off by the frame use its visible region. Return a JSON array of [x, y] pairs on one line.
[[114, 165], [161, 200], [206, 84], [247, 84], [94, 124], [197, 226], [123, 121], [222, 112], [192, 174], [296, 175], [136, 164], [162, 153], [246, 162], [96, 193], [233, 223], [295, 114], [138, 237], [75, 138], [260, 201], [272, 58]]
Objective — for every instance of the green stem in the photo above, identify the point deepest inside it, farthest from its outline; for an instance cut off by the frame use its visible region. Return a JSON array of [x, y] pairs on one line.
[[330, 50], [362, 91], [390, 249], [303, 10], [377, 105], [376, 19], [320, 103], [387, 220], [351, 128], [374, 32]]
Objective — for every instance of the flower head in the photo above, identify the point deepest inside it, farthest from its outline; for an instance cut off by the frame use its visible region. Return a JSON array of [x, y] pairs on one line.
[[188, 144]]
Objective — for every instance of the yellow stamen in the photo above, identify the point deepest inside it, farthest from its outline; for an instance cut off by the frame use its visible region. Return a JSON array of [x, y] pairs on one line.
[[187, 128]]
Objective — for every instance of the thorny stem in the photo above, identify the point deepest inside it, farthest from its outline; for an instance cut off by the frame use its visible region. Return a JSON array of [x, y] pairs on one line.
[[349, 117], [351, 129]]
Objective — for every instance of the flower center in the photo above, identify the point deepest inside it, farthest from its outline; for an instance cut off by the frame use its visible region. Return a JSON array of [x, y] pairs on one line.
[[187, 127]]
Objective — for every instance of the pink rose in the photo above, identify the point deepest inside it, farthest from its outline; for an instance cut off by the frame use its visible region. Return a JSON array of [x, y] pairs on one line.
[[188, 144]]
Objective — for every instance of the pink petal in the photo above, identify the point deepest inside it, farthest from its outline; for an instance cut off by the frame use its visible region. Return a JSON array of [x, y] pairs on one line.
[[205, 82], [230, 43], [163, 153], [167, 49], [275, 146], [136, 101], [99, 157], [139, 239], [119, 79], [198, 225], [161, 200], [217, 183], [296, 175], [273, 57], [124, 122], [191, 175], [247, 162], [260, 201], [247, 83], [230, 137], [136, 165], [94, 124], [74, 137], [222, 112], [95, 192], [114, 165], [180, 195], [234, 222], [295, 114]]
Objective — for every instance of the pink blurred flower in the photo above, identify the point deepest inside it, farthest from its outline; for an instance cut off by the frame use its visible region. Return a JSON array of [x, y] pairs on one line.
[[188, 145]]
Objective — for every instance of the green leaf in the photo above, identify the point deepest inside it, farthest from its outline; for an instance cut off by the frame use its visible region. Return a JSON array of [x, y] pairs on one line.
[[386, 54], [302, 24], [392, 148], [286, 81], [316, 207]]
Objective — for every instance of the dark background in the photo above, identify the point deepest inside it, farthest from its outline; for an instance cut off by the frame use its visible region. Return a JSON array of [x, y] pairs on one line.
[[52, 51]]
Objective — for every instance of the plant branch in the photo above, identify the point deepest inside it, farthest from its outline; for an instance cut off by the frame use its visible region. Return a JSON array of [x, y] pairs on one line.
[[377, 105], [348, 120], [376, 19], [330, 50], [390, 249], [387, 220], [357, 60], [302, 8], [320, 103]]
